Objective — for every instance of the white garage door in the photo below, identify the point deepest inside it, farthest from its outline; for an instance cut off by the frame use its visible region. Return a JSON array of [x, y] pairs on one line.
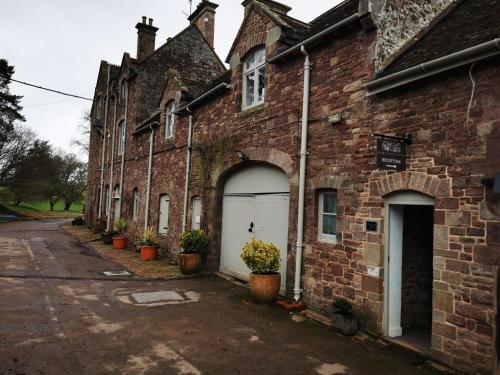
[[256, 202]]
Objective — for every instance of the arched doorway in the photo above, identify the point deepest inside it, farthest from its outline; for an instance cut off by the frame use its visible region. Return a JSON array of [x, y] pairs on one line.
[[409, 267], [255, 203]]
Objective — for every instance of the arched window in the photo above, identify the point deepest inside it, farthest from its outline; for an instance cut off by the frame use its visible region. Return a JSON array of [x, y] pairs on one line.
[[107, 196], [121, 138], [163, 214], [196, 220], [123, 89], [169, 132], [135, 207], [98, 106], [254, 78]]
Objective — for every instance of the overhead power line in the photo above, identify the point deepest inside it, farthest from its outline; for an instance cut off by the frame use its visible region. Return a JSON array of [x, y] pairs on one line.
[[51, 90]]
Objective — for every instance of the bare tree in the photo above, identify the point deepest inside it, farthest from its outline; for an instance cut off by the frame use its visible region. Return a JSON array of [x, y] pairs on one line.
[[82, 142], [16, 148]]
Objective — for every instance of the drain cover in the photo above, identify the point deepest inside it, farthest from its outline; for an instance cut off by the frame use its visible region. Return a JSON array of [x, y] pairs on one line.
[[116, 273], [157, 297]]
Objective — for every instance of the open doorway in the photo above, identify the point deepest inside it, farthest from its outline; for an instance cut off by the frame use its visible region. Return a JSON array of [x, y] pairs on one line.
[[409, 270]]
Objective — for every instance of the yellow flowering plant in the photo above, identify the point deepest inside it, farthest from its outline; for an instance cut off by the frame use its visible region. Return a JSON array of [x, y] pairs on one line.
[[261, 257]]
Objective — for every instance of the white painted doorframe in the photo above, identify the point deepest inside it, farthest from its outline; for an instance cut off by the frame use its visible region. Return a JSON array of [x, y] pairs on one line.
[[393, 227]]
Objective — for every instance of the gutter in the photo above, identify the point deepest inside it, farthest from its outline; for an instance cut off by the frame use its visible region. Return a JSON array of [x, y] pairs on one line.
[[203, 96], [427, 69], [104, 136], [316, 37]]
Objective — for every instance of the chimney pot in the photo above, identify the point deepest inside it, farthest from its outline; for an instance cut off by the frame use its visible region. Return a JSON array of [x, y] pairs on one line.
[[150, 22], [144, 19]]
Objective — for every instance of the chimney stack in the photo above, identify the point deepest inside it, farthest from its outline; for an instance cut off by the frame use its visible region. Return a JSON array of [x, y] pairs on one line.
[[146, 38], [204, 19]]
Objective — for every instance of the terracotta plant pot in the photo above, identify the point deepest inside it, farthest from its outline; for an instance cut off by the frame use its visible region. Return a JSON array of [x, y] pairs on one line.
[[149, 252], [265, 288], [190, 263], [119, 243]]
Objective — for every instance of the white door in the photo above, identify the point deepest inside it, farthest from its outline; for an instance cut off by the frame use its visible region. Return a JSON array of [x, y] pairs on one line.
[[117, 207], [237, 216], [271, 225], [163, 220], [264, 216]]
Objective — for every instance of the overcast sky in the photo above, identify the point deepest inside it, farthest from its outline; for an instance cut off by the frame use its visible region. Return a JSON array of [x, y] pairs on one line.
[[59, 44]]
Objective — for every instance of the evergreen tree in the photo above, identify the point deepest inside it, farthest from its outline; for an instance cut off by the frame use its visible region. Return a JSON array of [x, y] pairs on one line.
[[10, 109]]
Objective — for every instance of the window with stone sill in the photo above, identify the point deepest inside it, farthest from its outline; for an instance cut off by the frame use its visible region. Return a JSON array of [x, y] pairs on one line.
[[170, 120], [254, 68], [327, 216], [135, 207], [121, 138], [123, 89]]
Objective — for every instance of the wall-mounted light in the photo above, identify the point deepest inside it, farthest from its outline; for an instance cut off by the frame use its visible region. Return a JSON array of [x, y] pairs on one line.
[[241, 155], [407, 139]]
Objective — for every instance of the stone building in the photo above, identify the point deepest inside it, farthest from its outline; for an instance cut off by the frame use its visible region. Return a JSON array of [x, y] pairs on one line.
[[364, 143]]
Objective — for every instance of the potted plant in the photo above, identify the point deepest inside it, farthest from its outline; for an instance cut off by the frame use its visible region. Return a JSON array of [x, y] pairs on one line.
[[99, 225], [120, 240], [343, 320], [193, 243], [263, 259], [149, 244]]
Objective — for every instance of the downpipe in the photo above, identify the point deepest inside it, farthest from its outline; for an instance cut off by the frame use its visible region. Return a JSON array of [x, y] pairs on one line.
[[111, 169], [104, 137], [122, 171], [150, 169], [188, 170], [297, 291]]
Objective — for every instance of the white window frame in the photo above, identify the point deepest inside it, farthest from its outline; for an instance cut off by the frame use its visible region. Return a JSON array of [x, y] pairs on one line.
[[196, 224], [255, 71], [121, 138], [164, 231], [98, 106], [135, 207], [107, 197], [324, 237], [170, 120]]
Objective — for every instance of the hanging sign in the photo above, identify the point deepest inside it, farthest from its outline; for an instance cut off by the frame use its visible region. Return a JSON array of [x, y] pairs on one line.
[[391, 153]]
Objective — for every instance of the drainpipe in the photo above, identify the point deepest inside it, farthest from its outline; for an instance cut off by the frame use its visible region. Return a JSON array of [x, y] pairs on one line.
[[124, 144], [188, 170], [302, 175], [108, 225], [104, 137], [150, 169]]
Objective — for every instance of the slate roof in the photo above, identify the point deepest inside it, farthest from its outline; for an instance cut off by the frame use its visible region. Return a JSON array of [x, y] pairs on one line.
[[188, 53], [466, 23], [196, 88]]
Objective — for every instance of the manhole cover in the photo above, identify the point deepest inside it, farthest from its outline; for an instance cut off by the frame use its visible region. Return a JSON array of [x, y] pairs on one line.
[[116, 273], [157, 297]]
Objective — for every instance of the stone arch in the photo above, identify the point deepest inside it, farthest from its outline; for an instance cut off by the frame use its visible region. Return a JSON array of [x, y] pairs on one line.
[[416, 181], [264, 155], [329, 182]]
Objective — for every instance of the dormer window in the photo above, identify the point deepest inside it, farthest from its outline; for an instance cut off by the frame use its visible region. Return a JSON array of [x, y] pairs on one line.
[[169, 132], [254, 78]]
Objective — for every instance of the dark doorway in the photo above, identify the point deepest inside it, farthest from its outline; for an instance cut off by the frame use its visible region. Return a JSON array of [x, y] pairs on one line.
[[417, 275]]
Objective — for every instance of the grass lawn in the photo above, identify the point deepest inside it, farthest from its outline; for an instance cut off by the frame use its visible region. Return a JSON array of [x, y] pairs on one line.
[[41, 210]]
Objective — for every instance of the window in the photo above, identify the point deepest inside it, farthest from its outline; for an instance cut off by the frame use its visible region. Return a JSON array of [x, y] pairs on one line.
[[135, 207], [164, 211], [121, 138], [254, 79], [107, 196], [98, 105], [169, 132], [327, 215], [196, 221], [123, 89]]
